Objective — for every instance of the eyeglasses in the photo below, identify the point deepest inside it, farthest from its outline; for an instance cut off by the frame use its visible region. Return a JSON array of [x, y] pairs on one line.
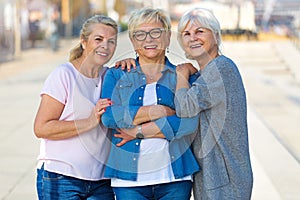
[[142, 35]]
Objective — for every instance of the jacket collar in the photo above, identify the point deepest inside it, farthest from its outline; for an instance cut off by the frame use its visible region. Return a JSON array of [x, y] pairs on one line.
[[168, 66]]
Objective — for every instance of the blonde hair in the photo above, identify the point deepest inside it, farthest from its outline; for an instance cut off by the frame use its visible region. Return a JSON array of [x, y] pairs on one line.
[[206, 18], [86, 30], [147, 15]]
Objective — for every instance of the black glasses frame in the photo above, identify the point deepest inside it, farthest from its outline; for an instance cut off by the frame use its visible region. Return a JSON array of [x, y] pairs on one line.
[[150, 33]]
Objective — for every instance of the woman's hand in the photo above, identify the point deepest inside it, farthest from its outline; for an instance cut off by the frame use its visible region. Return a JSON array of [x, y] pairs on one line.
[[183, 72], [151, 113], [185, 69], [127, 63], [169, 111], [48, 125], [149, 130], [98, 110], [126, 135], [159, 111]]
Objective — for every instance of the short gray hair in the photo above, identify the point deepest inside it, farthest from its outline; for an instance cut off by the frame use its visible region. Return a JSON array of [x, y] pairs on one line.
[[148, 15], [206, 18]]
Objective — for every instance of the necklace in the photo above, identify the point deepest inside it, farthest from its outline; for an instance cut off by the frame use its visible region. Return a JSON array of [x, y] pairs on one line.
[[153, 76], [150, 77], [96, 81]]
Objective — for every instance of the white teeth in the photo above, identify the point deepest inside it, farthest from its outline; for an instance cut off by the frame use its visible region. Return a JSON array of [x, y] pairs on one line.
[[101, 54], [196, 45], [150, 47]]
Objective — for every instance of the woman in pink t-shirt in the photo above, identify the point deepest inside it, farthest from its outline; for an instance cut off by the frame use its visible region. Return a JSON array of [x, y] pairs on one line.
[[74, 143]]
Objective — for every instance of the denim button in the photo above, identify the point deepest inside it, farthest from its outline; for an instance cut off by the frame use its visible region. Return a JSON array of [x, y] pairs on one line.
[[159, 99], [140, 98], [134, 158], [137, 144]]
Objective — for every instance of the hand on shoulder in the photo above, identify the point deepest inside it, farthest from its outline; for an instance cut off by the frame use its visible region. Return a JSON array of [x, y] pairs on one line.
[[126, 63]]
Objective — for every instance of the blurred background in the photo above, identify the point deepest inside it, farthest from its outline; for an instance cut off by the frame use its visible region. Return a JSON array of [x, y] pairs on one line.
[[26, 24], [261, 36]]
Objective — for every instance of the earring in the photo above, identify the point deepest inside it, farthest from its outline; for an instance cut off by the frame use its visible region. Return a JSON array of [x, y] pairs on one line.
[[168, 51]]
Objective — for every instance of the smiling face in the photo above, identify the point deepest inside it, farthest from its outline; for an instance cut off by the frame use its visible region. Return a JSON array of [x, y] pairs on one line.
[[101, 44], [153, 46], [199, 42]]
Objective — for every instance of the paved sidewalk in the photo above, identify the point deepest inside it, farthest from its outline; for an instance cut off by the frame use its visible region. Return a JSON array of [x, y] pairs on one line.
[[276, 169], [274, 113]]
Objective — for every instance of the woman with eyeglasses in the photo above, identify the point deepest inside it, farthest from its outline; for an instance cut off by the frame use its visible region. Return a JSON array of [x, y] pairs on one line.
[[150, 157]]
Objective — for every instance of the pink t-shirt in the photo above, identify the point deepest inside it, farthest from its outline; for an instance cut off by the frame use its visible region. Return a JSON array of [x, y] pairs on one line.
[[82, 156]]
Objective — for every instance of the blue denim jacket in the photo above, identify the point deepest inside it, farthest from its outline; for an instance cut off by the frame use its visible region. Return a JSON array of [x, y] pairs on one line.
[[126, 90]]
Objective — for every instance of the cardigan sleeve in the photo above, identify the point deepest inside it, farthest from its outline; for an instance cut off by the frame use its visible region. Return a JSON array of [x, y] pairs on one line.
[[206, 92]]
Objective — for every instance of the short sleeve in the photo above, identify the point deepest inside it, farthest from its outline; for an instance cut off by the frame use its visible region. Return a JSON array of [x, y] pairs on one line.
[[58, 84]]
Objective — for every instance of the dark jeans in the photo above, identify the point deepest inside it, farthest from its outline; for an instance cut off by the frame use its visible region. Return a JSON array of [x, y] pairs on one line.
[[180, 190], [53, 186]]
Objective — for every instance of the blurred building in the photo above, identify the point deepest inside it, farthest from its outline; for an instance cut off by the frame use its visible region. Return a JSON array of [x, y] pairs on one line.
[[236, 17], [7, 22], [279, 16], [25, 23]]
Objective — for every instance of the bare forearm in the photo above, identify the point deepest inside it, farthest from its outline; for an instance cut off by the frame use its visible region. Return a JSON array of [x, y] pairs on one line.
[[59, 130], [150, 113], [151, 130]]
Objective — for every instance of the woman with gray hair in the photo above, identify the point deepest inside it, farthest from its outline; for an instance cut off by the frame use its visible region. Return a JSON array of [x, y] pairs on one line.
[[143, 108], [74, 143], [218, 96]]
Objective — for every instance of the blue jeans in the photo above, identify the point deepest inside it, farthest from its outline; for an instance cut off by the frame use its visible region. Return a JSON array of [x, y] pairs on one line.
[[180, 190], [53, 186]]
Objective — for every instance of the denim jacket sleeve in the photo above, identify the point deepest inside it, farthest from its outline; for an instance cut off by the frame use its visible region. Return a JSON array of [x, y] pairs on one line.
[[174, 127], [117, 115]]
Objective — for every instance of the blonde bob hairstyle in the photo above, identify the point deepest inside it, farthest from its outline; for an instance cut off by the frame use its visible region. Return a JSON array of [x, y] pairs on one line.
[[147, 15], [86, 31], [206, 18]]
